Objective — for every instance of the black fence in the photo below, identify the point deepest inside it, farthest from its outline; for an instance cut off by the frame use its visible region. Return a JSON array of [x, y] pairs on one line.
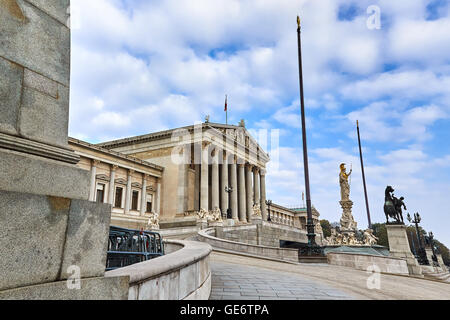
[[127, 247]]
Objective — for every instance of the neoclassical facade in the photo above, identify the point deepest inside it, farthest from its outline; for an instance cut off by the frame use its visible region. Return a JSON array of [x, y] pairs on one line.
[[208, 167], [295, 217], [130, 185]]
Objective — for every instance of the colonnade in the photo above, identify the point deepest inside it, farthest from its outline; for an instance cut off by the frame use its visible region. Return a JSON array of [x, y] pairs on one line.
[[246, 182]]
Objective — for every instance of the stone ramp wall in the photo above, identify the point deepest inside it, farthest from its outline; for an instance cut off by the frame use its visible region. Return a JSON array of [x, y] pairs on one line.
[[209, 236], [184, 273], [263, 233], [364, 261]]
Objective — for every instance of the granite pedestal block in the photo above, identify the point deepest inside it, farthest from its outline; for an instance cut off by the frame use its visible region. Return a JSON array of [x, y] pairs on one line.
[[399, 248], [42, 236], [111, 288]]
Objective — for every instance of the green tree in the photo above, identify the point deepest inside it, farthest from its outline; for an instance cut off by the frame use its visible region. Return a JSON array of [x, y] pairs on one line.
[[379, 230], [326, 227], [444, 251]]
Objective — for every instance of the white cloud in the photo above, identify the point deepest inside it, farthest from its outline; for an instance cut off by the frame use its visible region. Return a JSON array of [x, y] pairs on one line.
[[140, 66]]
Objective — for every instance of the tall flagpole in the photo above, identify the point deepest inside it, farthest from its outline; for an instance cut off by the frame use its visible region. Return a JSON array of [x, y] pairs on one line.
[[363, 176], [309, 221]]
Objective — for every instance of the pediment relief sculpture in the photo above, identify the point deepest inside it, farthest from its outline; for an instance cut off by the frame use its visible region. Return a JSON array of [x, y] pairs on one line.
[[121, 181], [103, 177]]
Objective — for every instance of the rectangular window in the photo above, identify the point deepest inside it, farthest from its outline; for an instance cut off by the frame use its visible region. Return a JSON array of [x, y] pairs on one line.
[[134, 201], [118, 201], [100, 193], [149, 203], [149, 207]]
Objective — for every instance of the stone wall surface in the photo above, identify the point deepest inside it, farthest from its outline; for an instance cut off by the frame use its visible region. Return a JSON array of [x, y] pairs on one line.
[[399, 248], [364, 261], [208, 236], [90, 289], [46, 223], [41, 236], [263, 233], [184, 273]]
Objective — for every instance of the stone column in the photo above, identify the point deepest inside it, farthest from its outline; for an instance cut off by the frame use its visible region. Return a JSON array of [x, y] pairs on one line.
[[215, 181], [242, 198], [128, 193], [249, 192], [263, 194], [93, 185], [204, 196], [112, 179], [197, 188], [144, 195], [256, 186], [234, 194], [224, 184], [158, 199]]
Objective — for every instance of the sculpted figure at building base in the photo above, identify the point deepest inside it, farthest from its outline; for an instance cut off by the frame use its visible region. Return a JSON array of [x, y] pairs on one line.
[[350, 238], [153, 221], [257, 210]]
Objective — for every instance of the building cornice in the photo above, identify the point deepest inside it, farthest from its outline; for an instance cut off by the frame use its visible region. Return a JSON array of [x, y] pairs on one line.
[[122, 156], [214, 127]]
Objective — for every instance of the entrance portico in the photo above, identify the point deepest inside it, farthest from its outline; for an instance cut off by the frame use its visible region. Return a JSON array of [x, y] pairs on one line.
[[204, 159]]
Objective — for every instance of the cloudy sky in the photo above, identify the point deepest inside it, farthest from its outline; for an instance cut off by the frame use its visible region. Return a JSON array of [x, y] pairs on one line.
[[140, 66]]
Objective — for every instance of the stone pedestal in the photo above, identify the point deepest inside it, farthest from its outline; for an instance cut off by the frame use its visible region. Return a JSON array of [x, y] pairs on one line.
[[347, 221], [429, 253], [441, 262], [213, 224], [230, 223], [399, 248], [256, 219], [202, 223], [49, 232]]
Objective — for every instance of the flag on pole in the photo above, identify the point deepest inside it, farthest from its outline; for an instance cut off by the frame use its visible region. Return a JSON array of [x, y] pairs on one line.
[[226, 108]]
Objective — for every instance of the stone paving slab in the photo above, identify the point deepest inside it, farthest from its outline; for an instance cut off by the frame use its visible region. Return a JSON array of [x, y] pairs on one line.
[[241, 282]]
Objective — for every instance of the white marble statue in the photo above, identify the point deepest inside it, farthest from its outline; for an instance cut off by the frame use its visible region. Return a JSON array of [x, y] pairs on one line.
[[369, 238], [153, 221], [257, 210]]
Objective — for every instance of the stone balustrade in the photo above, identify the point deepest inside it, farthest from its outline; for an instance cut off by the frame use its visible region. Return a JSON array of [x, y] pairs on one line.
[[183, 273], [249, 240]]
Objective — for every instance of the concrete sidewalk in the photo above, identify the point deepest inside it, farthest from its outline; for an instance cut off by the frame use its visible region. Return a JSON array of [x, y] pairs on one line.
[[239, 277], [241, 282]]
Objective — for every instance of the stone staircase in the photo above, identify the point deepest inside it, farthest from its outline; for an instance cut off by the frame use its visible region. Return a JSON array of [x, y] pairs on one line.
[[437, 275]]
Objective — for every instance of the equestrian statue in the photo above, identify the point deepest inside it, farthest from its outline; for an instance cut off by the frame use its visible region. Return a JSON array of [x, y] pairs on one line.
[[393, 206]]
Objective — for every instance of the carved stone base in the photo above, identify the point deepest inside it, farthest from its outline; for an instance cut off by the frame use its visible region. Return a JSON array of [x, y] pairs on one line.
[[347, 221]]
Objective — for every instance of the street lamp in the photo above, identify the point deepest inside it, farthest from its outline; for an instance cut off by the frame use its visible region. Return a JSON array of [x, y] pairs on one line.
[[430, 239], [229, 190], [422, 257], [269, 203]]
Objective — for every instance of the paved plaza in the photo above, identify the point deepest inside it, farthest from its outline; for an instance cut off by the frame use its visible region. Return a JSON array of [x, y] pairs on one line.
[[240, 282], [237, 277]]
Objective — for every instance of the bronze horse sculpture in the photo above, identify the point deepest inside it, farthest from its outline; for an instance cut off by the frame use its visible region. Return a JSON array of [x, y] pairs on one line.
[[393, 206]]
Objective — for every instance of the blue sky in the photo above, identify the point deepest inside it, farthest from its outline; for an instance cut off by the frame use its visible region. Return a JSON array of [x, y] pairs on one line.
[[141, 66]]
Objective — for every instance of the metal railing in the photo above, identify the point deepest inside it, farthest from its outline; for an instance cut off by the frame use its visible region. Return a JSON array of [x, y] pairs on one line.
[[127, 247]]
